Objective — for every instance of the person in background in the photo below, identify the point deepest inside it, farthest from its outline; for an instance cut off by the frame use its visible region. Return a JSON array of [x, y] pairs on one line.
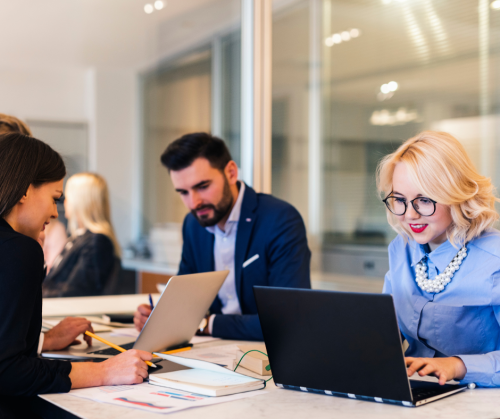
[[55, 240], [31, 183], [260, 239], [90, 262], [444, 265], [10, 124]]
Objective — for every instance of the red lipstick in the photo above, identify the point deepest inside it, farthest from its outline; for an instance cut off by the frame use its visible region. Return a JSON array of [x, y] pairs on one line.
[[418, 228]]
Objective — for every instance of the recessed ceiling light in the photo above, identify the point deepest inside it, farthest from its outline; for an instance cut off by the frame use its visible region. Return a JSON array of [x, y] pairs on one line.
[[337, 39], [393, 86], [329, 42], [159, 5], [345, 36], [148, 8], [495, 5], [385, 88], [354, 33]]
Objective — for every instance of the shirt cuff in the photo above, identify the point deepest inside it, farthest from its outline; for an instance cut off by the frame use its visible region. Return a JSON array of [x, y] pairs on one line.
[[481, 370], [211, 323], [40, 343]]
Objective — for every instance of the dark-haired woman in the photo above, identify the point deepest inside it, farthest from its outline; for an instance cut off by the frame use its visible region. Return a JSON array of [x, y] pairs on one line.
[[31, 182]]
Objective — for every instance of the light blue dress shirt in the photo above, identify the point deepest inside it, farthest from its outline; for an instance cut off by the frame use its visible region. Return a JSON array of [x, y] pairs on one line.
[[224, 247], [464, 319]]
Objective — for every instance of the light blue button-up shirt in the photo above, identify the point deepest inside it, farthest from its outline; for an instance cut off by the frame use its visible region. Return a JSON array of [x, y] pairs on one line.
[[224, 247], [464, 319]]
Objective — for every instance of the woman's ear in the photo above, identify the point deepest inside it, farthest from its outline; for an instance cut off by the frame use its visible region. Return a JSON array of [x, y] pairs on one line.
[[25, 196]]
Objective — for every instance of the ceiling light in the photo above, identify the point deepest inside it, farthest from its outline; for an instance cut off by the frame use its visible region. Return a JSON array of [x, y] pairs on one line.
[[159, 5], [385, 88], [336, 38], [495, 5], [355, 32], [148, 8], [393, 86], [329, 42], [345, 36]]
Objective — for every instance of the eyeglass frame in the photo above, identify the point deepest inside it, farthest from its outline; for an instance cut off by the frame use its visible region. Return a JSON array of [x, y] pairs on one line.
[[412, 204]]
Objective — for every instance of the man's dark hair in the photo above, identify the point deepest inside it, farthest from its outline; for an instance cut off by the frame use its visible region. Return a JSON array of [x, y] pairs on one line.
[[25, 161], [184, 151]]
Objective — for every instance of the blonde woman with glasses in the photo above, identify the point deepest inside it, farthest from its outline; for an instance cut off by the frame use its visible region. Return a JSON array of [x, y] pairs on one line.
[[444, 265], [90, 261]]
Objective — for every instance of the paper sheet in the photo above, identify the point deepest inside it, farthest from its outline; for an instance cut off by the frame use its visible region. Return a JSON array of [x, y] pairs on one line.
[[49, 323], [153, 398], [224, 355]]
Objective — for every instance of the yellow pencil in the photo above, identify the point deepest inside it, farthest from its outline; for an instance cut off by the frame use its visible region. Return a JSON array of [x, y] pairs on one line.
[[118, 348], [174, 351]]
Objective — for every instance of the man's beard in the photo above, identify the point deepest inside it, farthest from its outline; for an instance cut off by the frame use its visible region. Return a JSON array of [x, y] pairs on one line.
[[220, 210]]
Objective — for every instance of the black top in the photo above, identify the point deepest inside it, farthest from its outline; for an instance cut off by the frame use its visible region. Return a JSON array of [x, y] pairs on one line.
[[22, 373], [88, 266]]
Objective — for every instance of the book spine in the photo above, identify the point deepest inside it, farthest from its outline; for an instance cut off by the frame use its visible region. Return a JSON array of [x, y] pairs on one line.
[[345, 395]]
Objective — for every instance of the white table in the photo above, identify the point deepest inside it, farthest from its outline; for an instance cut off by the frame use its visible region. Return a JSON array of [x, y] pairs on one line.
[[276, 403]]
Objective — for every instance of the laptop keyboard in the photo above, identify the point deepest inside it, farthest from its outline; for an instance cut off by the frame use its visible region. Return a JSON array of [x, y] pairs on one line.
[[426, 390], [113, 351]]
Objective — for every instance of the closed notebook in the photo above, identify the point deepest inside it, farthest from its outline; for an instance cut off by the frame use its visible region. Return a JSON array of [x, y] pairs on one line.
[[204, 378]]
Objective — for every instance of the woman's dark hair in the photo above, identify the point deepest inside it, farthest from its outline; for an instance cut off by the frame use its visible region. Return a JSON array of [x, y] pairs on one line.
[[25, 161], [185, 150]]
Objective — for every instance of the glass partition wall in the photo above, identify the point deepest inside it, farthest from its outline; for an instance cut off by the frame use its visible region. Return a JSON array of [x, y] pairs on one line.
[[352, 79]]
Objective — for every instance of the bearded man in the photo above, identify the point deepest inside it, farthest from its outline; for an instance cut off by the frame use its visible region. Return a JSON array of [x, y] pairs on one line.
[[260, 239]]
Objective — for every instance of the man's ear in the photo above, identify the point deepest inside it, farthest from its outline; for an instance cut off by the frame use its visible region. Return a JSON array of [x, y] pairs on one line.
[[231, 172]]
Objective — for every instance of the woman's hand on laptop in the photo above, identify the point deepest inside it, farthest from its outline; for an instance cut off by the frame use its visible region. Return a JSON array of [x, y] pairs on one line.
[[444, 368], [141, 316], [65, 333]]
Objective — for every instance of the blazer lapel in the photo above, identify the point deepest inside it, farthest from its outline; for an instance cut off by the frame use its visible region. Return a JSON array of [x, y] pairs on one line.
[[245, 227]]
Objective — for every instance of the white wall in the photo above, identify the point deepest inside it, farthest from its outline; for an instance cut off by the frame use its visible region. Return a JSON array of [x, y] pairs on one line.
[[114, 141]]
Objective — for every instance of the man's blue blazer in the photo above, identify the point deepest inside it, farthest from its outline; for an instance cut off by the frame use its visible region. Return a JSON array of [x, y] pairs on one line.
[[268, 227]]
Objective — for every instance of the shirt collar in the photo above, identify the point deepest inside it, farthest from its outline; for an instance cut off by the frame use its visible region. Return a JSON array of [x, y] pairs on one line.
[[234, 217], [440, 257]]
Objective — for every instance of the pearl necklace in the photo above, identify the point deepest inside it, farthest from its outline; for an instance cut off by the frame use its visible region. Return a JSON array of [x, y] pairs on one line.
[[439, 283]]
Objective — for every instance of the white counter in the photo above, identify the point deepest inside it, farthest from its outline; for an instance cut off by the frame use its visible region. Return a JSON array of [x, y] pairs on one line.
[[148, 265]]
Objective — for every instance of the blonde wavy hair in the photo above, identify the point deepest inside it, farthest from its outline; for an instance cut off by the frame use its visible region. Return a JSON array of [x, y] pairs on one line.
[[88, 200], [440, 167]]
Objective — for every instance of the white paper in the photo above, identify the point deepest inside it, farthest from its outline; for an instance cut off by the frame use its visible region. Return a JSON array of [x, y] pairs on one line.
[[153, 398], [202, 339], [206, 378], [223, 355], [97, 327], [129, 332]]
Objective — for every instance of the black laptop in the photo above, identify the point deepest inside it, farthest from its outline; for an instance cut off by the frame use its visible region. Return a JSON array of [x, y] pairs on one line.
[[340, 344]]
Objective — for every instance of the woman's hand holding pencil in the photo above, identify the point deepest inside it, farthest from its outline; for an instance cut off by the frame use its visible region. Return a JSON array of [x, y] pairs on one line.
[[119, 348]]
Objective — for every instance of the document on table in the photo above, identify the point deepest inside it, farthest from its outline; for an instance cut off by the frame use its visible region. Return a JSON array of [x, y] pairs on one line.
[[50, 323], [153, 398], [224, 355]]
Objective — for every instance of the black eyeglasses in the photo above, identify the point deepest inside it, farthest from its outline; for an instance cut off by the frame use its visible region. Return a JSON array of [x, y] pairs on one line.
[[398, 206]]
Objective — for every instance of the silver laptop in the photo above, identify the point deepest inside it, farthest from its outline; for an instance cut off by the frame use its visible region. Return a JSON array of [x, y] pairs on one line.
[[173, 322]]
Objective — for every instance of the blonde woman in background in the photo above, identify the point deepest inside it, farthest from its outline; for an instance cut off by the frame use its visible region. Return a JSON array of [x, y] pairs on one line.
[[444, 265], [90, 261], [10, 124]]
